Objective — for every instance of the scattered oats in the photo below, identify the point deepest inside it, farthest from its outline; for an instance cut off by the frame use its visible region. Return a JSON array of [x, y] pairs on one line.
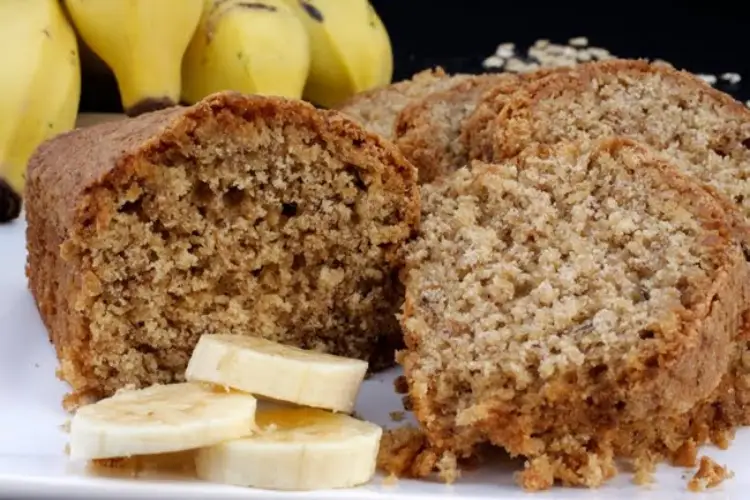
[[545, 54], [579, 41], [516, 65], [709, 79], [569, 52], [506, 50], [397, 416], [65, 426], [732, 78], [599, 53], [66, 449], [493, 62], [555, 49]]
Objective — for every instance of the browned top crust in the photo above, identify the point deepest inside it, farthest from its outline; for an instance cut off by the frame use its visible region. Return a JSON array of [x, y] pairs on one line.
[[477, 132], [428, 130], [97, 152]]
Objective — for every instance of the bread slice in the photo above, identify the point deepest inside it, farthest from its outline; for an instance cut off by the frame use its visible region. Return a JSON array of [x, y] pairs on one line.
[[428, 131], [567, 303], [477, 130], [377, 109], [670, 110], [246, 215]]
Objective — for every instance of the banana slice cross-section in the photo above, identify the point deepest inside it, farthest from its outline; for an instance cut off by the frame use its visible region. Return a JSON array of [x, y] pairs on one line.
[[295, 449], [160, 419], [276, 371]]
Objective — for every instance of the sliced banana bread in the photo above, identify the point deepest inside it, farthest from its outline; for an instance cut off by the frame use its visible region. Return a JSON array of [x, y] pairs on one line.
[[378, 109], [567, 303], [250, 215], [477, 130], [670, 110], [428, 131]]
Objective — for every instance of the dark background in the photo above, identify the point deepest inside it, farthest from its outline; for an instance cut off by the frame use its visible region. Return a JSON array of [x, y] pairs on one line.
[[708, 37]]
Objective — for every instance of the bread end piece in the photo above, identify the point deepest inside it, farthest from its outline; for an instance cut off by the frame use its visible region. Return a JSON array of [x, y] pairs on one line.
[[243, 214]]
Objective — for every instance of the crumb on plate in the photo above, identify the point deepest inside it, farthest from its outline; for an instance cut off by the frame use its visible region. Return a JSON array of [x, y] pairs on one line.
[[709, 475], [401, 385]]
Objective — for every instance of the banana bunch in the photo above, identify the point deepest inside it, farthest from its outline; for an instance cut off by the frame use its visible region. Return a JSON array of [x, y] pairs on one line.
[[250, 47], [303, 441], [350, 49], [40, 81], [322, 50], [142, 42], [166, 51]]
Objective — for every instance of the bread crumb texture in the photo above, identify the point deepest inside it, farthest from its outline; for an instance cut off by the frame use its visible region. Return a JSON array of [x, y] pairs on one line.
[[577, 304], [249, 215], [405, 452], [706, 131], [709, 475]]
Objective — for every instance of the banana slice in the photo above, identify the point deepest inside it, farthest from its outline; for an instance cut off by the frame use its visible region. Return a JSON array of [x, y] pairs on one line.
[[276, 371], [295, 449], [160, 419]]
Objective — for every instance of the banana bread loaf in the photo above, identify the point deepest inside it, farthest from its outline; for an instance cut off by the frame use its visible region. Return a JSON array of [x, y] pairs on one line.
[[377, 109], [576, 304], [428, 131], [250, 215]]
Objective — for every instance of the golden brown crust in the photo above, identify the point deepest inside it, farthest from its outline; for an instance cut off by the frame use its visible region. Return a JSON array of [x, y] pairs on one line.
[[477, 132], [571, 426], [70, 202], [428, 130], [377, 109]]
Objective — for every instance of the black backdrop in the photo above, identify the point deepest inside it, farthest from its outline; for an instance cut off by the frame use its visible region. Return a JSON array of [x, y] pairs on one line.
[[707, 37]]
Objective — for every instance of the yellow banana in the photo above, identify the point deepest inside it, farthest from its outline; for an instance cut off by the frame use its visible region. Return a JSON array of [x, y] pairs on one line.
[[383, 44], [350, 49], [143, 41], [40, 81], [252, 47]]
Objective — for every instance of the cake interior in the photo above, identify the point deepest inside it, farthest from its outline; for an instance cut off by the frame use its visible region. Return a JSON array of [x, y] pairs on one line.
[[567, 277], [244, 227]]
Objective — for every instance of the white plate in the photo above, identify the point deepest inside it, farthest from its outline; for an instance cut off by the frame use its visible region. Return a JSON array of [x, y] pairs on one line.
[[33, 463]]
